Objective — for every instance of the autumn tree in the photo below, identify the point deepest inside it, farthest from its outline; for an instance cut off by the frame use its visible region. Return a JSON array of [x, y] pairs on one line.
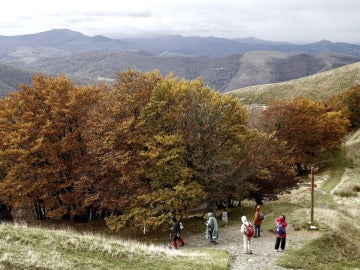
[[114, 171], [348, 102], [153, 209], [42, 145], [191, 138], [270, 164], [195, 134], [308, 127]]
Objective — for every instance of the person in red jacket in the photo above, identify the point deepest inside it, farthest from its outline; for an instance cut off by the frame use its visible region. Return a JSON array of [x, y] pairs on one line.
[[280, 232]]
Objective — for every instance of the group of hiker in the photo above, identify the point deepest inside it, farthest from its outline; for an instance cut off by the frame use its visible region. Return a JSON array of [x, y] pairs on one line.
[[248, 230]]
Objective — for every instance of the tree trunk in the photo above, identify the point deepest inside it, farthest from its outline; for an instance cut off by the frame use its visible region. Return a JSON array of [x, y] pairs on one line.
[[39, 210]]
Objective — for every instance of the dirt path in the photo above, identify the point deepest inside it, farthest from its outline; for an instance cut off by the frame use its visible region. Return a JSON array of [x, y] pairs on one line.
[[264, 254]]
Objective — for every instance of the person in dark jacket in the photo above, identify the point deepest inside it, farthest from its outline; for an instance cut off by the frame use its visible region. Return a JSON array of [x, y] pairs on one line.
[[280, 232], [176, 230]]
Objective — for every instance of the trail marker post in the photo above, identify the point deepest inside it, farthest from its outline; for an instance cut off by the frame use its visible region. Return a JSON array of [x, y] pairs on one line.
[[313, 171]]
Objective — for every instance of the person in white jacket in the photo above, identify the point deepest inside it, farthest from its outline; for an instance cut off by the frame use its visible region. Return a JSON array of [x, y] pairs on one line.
[[246, 238]]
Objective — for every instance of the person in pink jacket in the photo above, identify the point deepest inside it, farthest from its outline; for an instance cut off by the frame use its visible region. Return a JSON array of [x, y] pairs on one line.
[[280, 232]]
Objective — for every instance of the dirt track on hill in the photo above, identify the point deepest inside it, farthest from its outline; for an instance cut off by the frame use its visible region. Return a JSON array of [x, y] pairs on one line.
[[264, 254]]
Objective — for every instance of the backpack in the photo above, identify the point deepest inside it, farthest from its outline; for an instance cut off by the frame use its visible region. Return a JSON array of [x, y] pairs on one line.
[[249, 230], [280, 229], [261, 216]]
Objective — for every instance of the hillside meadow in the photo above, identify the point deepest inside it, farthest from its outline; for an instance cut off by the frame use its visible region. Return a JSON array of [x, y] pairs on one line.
[[318, 87]]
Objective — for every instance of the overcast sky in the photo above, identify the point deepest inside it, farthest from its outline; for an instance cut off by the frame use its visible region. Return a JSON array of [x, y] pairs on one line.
[[297, 21]]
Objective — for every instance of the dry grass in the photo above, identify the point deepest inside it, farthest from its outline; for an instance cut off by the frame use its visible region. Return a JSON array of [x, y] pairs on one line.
[[319, 86], [348, 190], [23, 247]]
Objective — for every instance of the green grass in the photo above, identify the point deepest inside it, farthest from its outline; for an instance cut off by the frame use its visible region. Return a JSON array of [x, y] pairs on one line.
[[24, 247], [337, 165], [333, 250]]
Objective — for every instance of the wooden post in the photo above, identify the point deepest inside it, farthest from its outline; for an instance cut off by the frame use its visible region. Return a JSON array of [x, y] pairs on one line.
[[312, 196]]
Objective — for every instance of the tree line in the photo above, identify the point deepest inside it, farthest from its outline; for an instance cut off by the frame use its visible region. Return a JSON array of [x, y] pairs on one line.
[[149, 146]]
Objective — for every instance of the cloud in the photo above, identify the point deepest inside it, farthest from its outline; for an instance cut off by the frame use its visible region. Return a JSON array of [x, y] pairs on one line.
[[279, 20]]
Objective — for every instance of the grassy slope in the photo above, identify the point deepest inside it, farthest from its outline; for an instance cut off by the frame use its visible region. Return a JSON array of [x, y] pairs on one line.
[[338, 245], [318, 86], [24, 247]]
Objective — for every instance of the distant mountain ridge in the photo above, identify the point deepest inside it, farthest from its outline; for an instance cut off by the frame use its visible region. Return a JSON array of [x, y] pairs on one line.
[[76, 42], [224, 64]]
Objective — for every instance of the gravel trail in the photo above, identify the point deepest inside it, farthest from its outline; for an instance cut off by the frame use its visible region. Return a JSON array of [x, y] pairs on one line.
[[264, 254]]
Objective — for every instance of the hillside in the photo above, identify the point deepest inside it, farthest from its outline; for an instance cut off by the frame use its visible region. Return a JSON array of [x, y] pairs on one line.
[[221, 73], [223, 64], [318, 86], [11, 77]]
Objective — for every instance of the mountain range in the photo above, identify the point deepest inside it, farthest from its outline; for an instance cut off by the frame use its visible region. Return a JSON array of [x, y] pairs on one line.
[[224, 64]]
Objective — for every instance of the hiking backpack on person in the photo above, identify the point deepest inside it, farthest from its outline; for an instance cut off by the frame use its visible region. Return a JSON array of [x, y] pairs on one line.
[[280, 232], [249, 230], [280, 228]]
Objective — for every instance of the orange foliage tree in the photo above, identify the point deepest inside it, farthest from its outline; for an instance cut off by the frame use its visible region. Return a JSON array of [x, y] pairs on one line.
[[308, 127], [114, 170], [349, 102], [42, 145], [270, 166]]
